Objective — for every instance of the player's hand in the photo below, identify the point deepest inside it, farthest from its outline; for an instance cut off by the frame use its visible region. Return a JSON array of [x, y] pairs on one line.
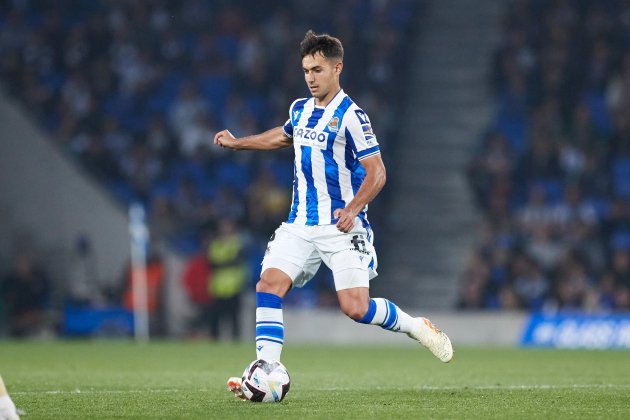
[[225, 139], [346, 219]]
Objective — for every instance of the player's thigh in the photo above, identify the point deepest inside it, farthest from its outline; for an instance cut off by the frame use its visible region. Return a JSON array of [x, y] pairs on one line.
[[290, 251], [349, 271], [350, 256]]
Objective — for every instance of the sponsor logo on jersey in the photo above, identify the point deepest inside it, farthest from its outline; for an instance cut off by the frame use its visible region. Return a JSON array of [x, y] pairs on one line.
[[333, 124], [310, 137], [367, 130]]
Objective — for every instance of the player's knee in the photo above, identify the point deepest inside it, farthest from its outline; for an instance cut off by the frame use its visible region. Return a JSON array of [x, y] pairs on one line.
[[354, 309], [265, 284], [273, 281]]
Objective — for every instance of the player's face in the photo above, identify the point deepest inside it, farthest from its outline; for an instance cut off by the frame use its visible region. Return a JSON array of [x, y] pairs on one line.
[[321, 76]]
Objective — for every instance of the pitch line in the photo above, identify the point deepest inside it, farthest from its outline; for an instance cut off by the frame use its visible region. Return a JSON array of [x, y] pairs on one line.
[[417, 388], [486, 387], [104, 391]]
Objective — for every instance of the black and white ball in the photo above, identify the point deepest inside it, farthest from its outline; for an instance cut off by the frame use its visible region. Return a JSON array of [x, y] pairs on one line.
[[265, 381]]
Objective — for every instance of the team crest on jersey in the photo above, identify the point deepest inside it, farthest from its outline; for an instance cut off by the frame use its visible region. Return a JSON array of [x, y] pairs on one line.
[[333, 124]]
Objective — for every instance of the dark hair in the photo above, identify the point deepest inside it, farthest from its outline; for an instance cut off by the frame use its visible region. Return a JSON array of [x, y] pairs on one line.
[[328, 46]]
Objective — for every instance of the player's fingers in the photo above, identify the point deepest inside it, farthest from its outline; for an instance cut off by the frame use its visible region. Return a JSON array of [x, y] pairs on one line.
[[344, 224]]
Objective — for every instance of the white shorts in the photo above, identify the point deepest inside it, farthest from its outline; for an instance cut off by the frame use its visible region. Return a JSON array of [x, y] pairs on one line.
[[299, 250]]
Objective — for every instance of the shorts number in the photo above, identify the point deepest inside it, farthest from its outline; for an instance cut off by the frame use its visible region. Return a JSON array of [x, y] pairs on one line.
[[359, 243]]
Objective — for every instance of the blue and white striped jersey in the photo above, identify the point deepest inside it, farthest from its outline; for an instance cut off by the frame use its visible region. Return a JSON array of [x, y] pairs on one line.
[[329, 142]]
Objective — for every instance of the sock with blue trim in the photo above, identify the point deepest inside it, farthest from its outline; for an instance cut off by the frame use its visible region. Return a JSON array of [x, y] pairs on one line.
[[269, 326], [388, 316]]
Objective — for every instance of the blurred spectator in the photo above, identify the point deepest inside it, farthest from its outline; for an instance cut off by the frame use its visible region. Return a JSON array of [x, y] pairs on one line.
[[186, 109], [536, 213], [82, 282], [530, 284], [267, 203], [155, 272], [197, 279], [26, 293], [226, 254], [476, 275]]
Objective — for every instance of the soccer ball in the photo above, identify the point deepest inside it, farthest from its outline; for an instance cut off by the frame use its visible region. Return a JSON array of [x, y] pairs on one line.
[[265, 381]]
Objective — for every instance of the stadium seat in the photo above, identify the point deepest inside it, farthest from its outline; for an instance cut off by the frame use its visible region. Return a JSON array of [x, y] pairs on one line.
[[233, 174], [621, 177]]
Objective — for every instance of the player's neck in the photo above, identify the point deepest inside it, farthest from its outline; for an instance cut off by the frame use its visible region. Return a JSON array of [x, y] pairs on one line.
[[329, 97]]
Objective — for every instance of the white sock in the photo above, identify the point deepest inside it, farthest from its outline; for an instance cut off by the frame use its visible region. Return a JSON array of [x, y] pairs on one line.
[[388, 316], [7, 408], [269, 326]]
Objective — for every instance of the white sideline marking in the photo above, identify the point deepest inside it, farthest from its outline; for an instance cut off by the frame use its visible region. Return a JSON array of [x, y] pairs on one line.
[[418, 388], [102, 391], [487, 387]]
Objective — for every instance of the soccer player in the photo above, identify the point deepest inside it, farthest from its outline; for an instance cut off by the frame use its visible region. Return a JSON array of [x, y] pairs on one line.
[[7, 408], [338, 171]]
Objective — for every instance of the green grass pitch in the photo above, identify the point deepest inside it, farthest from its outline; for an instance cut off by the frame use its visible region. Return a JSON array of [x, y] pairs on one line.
[[102, 380]]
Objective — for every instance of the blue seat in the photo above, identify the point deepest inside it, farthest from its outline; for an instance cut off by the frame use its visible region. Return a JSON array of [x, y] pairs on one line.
[[122, 191], [283, 173], [620, 240], [621, 167], [233, 174], [215, 89], [601, 206], [186, 243], [554, 190], [598, 109], [206, 189]]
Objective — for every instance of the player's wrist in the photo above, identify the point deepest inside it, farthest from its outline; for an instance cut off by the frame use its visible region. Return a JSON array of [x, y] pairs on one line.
[[353, 211], [237, 144]]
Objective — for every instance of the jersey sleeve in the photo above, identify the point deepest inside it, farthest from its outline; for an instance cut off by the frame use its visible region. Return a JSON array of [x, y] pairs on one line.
[[287, 128], [359, 134]]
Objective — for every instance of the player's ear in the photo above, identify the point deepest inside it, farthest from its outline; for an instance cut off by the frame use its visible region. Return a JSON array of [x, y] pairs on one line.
[[338, 67]]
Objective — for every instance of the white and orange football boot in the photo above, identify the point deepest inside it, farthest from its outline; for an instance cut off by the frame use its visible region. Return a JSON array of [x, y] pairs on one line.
[[234, 385], [433, 339]]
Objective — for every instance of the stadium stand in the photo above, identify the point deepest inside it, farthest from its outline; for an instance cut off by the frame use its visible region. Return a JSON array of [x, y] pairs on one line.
[[552, 172], [134, 91]]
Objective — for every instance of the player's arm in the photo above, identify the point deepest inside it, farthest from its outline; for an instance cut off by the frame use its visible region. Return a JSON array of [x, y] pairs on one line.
[[375, 177], [272, 139]]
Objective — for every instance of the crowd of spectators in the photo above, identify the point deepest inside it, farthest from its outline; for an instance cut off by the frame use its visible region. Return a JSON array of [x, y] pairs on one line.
[[552, 173], [135, 91]]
